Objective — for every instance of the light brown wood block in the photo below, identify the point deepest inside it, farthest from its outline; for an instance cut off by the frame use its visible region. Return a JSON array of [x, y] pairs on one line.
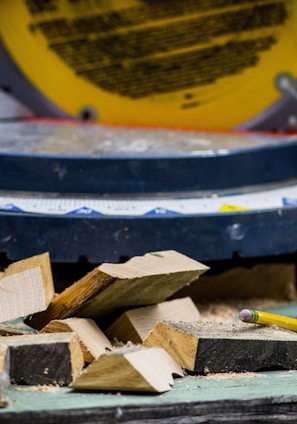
[[268, 281], [26, 287], [135, 324], [213, 347], [135, 369], [54, 358], [4, 374], [93, 341], [141, 281]]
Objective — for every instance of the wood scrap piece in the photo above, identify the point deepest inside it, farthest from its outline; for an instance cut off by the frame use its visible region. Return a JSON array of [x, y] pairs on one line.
[[44, 358], [135, 369], [93, 341], [135, 324], [26, 287], [268, 281], [4, 374], [206, 347], [141, 281]]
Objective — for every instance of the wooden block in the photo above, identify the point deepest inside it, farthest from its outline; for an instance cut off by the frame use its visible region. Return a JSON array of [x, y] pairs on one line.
[[141, 281], [26, 287], [4, 374], [212, 347], [137, 370], [44, 358], [93, 341], [135, 324], [268, 281]]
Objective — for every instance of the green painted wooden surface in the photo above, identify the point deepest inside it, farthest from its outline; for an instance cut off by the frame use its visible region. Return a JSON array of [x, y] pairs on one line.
[[186, 389], [290, 309]]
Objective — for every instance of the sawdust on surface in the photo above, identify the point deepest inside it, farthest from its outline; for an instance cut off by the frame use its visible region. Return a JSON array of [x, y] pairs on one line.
[[226, 375], [51, 388], [118, 344]]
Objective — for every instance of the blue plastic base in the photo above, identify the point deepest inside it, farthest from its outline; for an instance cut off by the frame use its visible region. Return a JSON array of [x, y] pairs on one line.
[[107, 239]]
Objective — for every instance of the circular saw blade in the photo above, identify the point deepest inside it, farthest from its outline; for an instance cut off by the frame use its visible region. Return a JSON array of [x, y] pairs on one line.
[[205, 64]]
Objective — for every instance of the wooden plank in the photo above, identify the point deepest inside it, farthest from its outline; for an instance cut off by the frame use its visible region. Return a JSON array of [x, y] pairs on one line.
[[4, 374], [44, 358], [26, 287], [134, 369], [135, 324], [141, 281], [93, 341], [214, 348]]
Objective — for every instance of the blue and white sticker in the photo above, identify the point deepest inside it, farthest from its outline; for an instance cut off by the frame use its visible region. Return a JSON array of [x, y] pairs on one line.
[[10, 207], [143, 206], [162, 211], [84, 210], [290, 201]]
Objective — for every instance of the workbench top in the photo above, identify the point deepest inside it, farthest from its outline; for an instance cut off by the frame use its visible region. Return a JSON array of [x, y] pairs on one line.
[[269, 397]]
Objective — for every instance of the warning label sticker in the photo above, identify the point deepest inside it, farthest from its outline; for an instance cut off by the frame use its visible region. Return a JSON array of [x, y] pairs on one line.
[[207, 63]]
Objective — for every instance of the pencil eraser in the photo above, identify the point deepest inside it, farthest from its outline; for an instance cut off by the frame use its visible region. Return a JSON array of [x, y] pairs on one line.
[[245, 315]]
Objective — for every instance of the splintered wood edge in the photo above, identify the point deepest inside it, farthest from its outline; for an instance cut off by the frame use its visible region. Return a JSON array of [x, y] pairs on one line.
[[181, 346], [138, 369], [156, 365], [153, 263]]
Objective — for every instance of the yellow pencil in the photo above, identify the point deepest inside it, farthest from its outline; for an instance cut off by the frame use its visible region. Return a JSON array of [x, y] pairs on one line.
[[264, 318]]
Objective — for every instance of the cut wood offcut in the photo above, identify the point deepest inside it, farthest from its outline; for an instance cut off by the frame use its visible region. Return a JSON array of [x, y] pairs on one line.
[[135, 324], [26, 287], [141, 281], [268, 281], [215, 348], [93, 341], [44, 358], [136, 369]]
